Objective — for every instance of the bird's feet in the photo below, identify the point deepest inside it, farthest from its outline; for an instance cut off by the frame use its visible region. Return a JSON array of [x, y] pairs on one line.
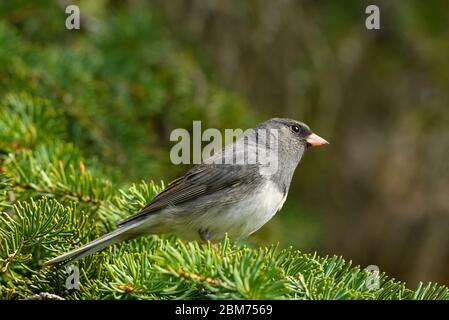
[[204, 234], [206, 237]]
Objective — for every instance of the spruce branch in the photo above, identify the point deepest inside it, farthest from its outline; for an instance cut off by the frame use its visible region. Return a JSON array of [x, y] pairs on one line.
[[26, 121], [37, 227], [57, 170]]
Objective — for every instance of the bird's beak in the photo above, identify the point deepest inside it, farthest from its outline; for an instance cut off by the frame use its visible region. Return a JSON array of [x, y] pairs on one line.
[[315, 140]]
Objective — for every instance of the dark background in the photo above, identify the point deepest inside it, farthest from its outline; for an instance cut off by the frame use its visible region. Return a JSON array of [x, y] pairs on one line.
[[378, 194]]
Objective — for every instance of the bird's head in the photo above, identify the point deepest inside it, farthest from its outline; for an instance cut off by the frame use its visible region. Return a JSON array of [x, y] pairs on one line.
[[294, 137]]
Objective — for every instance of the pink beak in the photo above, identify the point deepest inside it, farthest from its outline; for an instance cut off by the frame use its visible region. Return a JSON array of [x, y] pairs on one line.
[[315, 140]]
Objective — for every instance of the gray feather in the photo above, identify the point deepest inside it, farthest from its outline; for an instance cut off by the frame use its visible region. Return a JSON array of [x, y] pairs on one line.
[[115, 236]]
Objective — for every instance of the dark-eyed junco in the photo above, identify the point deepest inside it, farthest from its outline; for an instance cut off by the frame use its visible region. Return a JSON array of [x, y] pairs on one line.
[[235, 191]]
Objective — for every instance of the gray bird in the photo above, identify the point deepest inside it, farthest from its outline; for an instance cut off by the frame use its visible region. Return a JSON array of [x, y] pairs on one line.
[[235, 191]]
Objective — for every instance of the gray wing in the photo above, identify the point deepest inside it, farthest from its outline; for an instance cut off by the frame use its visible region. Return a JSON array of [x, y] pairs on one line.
[[199, 181]]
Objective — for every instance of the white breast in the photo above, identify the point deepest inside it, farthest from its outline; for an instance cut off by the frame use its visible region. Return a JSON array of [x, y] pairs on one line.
[[237, 220], [249, 215]]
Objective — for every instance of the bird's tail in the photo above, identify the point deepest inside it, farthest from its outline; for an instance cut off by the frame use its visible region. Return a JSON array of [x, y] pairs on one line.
[[120, 234]]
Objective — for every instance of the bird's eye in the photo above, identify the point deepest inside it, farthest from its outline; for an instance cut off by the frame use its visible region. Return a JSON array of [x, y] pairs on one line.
[[295, 128]]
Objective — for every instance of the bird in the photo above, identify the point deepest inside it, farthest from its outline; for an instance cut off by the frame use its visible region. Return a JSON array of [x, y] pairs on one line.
[[234, 191]]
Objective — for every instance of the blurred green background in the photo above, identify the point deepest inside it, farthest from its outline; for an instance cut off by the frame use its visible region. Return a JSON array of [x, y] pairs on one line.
[[136, 70]]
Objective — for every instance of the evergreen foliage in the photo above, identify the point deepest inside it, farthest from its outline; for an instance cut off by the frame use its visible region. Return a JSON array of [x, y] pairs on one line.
[[53, 199]]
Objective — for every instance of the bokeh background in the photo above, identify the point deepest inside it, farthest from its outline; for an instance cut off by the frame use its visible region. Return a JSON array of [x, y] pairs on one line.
[[378, 194]]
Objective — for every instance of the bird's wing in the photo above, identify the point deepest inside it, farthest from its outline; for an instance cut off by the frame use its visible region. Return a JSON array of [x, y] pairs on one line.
[[201, 180]]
